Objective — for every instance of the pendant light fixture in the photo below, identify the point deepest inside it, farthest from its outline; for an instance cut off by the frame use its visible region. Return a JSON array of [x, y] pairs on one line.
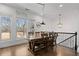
[[60, 24], [42, 23]]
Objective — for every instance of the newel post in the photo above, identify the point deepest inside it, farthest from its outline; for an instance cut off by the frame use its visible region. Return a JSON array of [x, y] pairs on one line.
[[76, 42]]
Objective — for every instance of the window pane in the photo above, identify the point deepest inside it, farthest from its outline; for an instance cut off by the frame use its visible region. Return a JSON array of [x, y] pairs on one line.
[[5, 27], [21, 27]]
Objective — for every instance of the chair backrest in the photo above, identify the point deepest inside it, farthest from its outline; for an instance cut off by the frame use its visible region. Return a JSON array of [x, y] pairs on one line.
[[51, 34], [55, 35], [43, 35]]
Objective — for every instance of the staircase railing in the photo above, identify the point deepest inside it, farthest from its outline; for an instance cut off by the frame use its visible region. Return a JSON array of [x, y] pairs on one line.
[[71, 41]]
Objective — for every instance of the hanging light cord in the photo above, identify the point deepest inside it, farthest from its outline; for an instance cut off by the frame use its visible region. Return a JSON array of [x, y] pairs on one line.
[[43, 9], [43, 14]]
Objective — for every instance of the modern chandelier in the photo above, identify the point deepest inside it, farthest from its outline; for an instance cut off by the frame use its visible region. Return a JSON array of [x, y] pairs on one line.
[[60, 24]]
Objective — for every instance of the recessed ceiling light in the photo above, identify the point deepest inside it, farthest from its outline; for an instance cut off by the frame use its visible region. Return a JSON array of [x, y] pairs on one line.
[[60, 5]]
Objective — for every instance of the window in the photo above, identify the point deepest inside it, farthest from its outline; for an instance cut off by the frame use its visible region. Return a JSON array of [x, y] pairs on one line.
[[5, 27], [21, 27]]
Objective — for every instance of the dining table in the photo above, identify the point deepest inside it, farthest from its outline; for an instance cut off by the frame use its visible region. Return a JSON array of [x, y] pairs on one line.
[[37, 43]]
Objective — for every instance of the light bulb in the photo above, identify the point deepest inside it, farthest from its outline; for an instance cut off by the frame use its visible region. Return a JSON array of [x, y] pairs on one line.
[[60, 25], [60, 5]]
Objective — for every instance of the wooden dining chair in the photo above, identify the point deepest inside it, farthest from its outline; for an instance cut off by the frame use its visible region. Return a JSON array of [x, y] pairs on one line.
[[52, 38]]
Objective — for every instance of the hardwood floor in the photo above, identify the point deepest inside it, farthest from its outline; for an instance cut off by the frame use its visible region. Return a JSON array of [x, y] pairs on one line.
[[22, 50]]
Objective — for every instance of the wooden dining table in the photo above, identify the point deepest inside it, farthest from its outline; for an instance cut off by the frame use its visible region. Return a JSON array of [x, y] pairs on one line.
[[37, 43]]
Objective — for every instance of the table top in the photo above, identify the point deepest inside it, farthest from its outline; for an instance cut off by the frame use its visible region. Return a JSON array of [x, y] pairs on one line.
[[31, 38]]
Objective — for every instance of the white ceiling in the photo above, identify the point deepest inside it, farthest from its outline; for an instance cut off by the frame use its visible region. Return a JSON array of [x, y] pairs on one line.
[[51, 9]]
